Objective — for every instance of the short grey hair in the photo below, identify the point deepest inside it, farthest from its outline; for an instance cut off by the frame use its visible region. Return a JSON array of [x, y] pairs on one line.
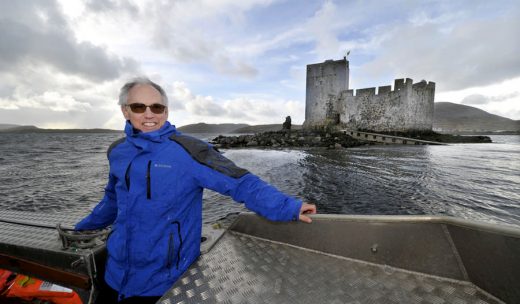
[[123, 94]]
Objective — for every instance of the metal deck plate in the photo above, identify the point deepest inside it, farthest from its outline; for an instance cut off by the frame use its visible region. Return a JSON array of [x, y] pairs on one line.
[[28, 238], [245, 269], [21, 229]]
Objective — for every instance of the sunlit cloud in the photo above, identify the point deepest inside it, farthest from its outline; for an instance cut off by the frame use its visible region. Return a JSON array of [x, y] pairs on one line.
[[245, 109]]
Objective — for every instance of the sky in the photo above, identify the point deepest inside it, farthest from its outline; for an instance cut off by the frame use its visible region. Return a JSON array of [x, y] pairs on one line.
[[63, 62]]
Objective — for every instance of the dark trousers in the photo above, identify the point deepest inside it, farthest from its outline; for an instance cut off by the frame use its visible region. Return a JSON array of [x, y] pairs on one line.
[[108, 295]]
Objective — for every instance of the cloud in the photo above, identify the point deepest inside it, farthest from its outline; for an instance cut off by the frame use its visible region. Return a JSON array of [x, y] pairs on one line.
[[36, 34], [62, 60], [44, 118], [184, 99], [475, 99], [456, 49], [49, 100], [479, 99], [324, 34], [110, 6], [45, 70], [243, 109], [189, 31]]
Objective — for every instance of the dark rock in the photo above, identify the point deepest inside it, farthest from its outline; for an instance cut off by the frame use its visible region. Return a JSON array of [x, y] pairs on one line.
[[287, 124], [297, 138]]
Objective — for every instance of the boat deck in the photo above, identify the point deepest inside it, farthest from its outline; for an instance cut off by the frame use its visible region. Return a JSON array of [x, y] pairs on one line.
[[336, 259], [244, 269]]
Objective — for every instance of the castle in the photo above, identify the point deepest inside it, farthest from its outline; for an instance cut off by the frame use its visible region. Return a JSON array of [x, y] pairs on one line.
[[329, 102]]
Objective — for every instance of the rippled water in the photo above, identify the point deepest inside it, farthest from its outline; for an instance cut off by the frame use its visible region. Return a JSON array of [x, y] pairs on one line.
[[66, 173]]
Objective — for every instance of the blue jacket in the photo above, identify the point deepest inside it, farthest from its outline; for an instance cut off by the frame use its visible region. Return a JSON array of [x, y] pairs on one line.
[[153, 201]]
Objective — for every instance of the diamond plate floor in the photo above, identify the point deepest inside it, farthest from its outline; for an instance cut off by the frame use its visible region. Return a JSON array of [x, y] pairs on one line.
[[20, 228], [244, 269]]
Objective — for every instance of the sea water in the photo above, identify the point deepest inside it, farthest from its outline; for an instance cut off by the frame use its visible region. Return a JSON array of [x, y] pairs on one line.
[[67, 173]]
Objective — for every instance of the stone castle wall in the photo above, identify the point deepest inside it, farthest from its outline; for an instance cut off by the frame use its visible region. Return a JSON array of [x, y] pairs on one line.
[[409, 107]]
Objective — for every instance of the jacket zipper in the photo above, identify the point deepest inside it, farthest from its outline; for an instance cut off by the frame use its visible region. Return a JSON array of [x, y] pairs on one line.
[[127, 176], [171, 250], [180, 242], [148, 181]]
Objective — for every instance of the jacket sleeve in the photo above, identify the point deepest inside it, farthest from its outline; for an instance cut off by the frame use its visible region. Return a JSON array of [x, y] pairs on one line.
[[104, 214], [214, 171], [256, 194], [220, 174]]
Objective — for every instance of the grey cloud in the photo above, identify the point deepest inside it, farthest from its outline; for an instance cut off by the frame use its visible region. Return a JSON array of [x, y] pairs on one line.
[[175, 104], [226, 66], [467, 52], [35, 33], [41, 117], [40, 13], [108, 6], [6, 89], [207, 109], [506, 96], [179, 30], [478, 99], [199, 50]]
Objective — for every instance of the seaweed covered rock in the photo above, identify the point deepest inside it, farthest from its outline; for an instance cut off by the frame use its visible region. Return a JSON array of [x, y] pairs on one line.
[[286, 138]]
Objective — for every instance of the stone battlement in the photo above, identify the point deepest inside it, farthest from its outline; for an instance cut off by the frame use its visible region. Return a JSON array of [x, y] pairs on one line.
[[399, 84]]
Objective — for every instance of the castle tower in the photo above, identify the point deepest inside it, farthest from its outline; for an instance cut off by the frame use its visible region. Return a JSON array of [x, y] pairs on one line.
[[324, 83]]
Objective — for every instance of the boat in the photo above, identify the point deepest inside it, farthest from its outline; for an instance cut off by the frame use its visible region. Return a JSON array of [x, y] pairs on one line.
[[336, 259]]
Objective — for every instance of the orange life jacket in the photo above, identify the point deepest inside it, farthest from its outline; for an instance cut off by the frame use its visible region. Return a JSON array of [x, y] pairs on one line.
[[29, 288], [4, 276]]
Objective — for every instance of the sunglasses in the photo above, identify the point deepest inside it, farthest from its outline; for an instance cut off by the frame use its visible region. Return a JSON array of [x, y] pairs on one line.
[[140, 108]]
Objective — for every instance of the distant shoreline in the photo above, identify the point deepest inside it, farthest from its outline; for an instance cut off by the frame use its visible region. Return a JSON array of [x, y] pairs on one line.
[[202, 128], [38, 130]]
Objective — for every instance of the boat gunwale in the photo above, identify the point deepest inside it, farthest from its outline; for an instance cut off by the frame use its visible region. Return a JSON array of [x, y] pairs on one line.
[[498, 228]]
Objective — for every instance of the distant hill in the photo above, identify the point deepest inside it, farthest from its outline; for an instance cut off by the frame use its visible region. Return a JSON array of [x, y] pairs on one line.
[[448, 118], [17, 128], [33, 129], [7, 126], [231, 128], [211, 128], [452, 117]]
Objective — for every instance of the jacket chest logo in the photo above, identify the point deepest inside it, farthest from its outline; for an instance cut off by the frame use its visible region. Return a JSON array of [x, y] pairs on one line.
[[165, 166]]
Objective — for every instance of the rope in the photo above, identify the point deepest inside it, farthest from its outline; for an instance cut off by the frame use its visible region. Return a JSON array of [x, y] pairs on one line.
[[82, 239]]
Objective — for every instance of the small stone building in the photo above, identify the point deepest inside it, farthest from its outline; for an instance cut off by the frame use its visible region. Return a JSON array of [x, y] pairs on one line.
[[329, 101]]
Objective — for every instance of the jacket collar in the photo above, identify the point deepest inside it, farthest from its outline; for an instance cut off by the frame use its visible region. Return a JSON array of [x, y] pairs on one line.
[[143, 140]]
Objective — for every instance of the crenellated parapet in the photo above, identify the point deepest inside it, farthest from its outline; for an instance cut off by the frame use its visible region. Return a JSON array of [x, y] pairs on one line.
[[399, 84], [408, 107]]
